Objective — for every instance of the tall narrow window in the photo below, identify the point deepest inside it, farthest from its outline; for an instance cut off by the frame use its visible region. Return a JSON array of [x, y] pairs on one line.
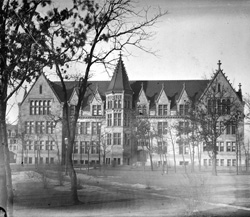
[[219, 89], [109, 120], [109, 137], [40, 89], [117, 138]]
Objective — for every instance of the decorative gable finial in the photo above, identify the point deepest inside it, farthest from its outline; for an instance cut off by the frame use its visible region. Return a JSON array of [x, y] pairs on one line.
[[141, 85], [219, 64], [184, 86], [163, 86], [240, 86]]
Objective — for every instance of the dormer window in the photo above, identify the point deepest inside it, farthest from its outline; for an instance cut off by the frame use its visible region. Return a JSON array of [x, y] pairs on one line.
[[183, 109], [142, 109], [162, 110], [96, 110]]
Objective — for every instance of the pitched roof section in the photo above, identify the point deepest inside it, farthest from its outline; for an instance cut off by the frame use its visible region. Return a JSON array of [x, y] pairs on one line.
[[119, 81], [151, 88]]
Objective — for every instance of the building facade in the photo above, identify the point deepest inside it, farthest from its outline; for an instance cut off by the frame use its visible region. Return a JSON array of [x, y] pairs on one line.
[[107, 129], [12, 132]]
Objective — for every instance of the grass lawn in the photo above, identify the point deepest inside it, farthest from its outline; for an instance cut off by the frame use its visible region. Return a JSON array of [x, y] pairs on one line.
[[122, 191]]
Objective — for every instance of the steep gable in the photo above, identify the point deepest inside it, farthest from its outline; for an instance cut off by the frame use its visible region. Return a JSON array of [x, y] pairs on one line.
[[96, 98], [142, 98], [183, 95], [41, 89], [162, 98], [220, 85]]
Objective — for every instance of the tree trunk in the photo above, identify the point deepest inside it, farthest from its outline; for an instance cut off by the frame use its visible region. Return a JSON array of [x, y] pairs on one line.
[[6, 198], [72, 174], [151, 161], [199, 156], [214, 169]]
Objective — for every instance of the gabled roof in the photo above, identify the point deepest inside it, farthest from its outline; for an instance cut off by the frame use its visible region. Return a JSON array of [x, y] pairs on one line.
[[220, 71], [152, 89], [182, 92], [161, 92], [142, 94], [172, 88], [119, 81]]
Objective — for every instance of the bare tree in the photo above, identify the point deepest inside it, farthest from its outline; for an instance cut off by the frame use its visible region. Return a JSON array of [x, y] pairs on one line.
[[90, 33], [144, 135], [172, 138]]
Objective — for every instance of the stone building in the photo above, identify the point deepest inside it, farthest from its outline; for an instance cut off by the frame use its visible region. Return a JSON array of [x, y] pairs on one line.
[[12, 133], [106, 128]]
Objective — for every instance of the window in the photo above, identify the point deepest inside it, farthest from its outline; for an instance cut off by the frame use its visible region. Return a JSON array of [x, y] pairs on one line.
[[222, 162], [29, 127], [82, 147], [117, 119], [234, 162], [229, 146], [28, 145], [41, 160], [205, 162], [228, 106], [42, 145], [183, 149], [109, 104], [96, 128], [231, 129], [117, 138], [209, 162], [51, 160], [228, 162], [109, 120], [75, 148], [30, 160], [47, 160], [162, 110], [87, 146], [127, 139], [142, 109], [95, 148], [40, 107], [126, 120], [50, 127], [40, 89], [96, 110], [184, 126], [40, 128], [109, 137], [221, 149], [162, 128], [84, 128], [183, 109], [233, 146]]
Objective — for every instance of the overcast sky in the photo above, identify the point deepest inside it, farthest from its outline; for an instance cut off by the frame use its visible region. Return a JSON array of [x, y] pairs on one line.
[[190, 40]]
